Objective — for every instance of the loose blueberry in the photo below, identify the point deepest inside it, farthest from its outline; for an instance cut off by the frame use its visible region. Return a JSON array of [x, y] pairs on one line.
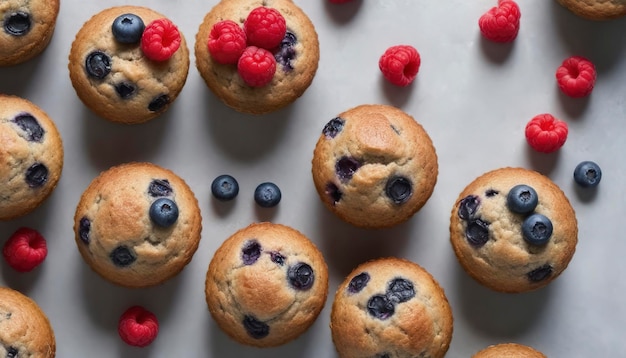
[[160, 187], [276, 257], [400, 290], [98, 65], [301, 276], [380, 307], [346, 167], [399, 189], [358, 282], [540, 274], [17, 23], [333, 191], [159, 103], [163, 212], [251, 252], [122, 256], [587, 174], [333, 127], [286, 52], [30, 125], [225, 187], [125, 90], [267, 195], [12, 352], [255, 328], [36, 175], [468, 206], [522, 199], [537, 229], [491, 193], [128, 28], [477, 232], [84, 226]]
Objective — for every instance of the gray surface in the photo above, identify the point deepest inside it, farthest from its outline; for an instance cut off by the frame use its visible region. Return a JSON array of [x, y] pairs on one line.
[[473, 97]]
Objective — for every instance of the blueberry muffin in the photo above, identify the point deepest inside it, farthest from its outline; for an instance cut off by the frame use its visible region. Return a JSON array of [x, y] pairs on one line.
[[26, 29], [509, 350], [296, 56], [390, 308], [513, 230], [596, 9], [128, 64], [137, 224], [24, 328], [266, 285], [374, 166], [31, 156]]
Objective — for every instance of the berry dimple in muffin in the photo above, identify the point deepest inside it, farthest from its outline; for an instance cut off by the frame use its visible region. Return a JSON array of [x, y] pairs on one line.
[[257, 56], [137, 224], [513, 230], [128, 64], [31, 157], [266, 285], [26, 28], [374, 166]]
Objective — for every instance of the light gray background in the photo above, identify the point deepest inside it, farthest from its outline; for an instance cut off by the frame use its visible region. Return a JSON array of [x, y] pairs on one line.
[[472, 96]]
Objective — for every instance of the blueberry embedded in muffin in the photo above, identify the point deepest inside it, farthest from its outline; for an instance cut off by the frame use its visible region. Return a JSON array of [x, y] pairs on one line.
[[513, 230], [266, 285]]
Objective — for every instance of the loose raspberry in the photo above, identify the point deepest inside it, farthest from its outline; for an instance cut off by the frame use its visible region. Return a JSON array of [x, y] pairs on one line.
[[400, 64], [256, 66], [138, 327], [25, 249], [265, 27], [501, 23], [160, 40], [545, 133], [227, 41], [576, 76]]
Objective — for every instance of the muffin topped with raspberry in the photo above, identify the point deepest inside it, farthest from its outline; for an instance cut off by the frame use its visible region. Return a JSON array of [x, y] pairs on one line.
[[26, 29], [128, 64], [513, 230], [257, 56]]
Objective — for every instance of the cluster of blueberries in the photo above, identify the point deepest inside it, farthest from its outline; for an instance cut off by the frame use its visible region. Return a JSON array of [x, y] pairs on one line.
[[382, 306], [37, 173], [225, 188]]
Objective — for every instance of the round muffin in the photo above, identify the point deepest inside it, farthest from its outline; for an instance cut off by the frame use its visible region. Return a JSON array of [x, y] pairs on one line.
[[24, 328], [508, 249], [596, 9], [509, 350], [374, 166], [137, 224], [31, 156], [266, 285], [391, 308], [27, 28], [296, 57], [116, 79]]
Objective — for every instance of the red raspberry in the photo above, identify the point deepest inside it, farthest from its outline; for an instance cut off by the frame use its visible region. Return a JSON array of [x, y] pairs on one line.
[[576, 76], [25, 249], [400, 64], [265, 27], [545, 133], [501, 23], [160, 40], [227, 41], [256, 66], [138, 327]]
